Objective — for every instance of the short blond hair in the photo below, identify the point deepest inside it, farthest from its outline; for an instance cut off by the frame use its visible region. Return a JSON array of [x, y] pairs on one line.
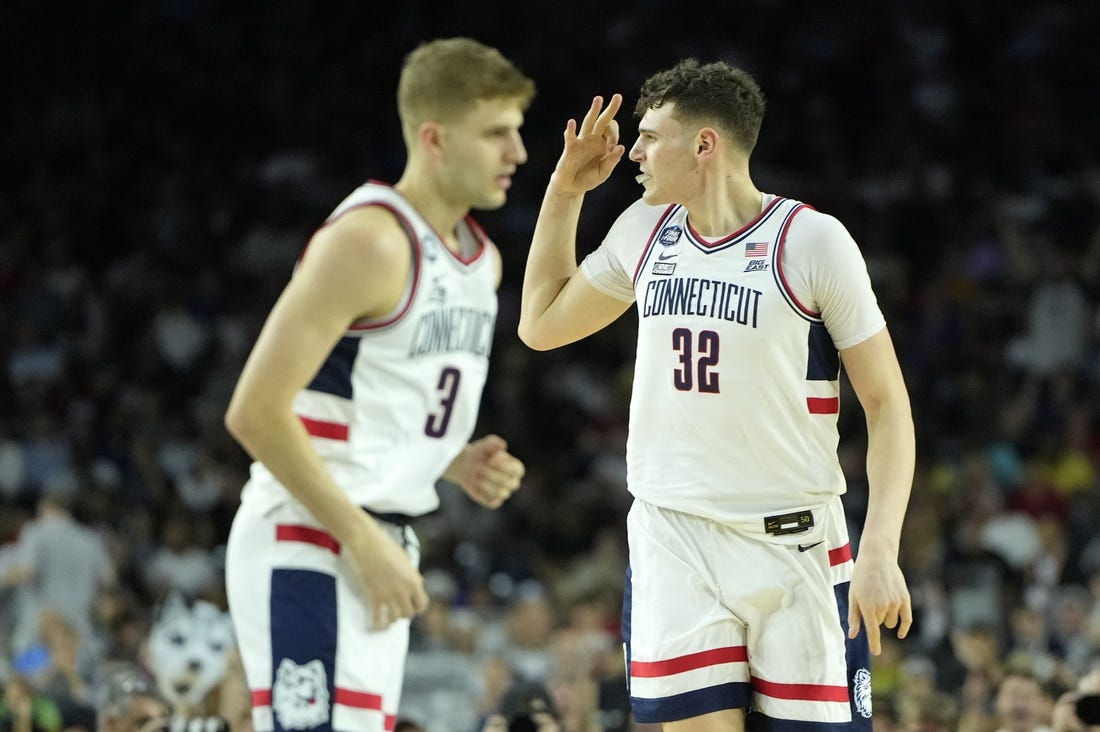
[[441, 80]]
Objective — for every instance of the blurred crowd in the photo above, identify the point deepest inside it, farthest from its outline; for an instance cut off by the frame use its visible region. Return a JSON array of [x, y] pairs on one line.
[[164, 163]]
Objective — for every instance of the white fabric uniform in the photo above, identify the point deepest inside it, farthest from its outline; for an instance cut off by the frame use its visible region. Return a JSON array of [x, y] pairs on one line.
[[392, 405], [398, 397], [734, 420]]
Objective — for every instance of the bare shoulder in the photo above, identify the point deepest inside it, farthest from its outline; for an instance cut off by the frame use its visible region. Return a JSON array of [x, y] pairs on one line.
[[370, 231], [362, 257]]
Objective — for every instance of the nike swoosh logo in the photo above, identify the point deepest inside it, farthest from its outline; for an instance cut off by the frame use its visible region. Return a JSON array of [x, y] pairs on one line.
[[808, 547], [663, 257]]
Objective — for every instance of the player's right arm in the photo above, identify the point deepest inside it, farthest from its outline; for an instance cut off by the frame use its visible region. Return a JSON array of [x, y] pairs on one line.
[[354, 268], [559, 305]]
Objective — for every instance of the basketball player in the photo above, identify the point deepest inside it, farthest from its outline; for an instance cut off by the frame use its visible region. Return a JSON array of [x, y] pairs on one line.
[[361, 392], [742, 592]]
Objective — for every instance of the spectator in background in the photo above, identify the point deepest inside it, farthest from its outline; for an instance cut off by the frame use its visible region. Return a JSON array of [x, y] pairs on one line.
[[65, 565], [129, 702], [179, 563], [66, 681], [407, 725], [1071, 714], [1022, 704], [526, 706], [24, 709]]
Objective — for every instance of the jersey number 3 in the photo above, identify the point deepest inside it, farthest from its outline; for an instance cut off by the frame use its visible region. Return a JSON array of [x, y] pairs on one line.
[[698, 361], [436, 426]]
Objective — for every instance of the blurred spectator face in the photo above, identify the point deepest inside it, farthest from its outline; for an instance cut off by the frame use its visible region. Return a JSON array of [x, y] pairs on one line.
[[534, 722], [1028, 626], [531, 622], [975, 647], [1021, 704]]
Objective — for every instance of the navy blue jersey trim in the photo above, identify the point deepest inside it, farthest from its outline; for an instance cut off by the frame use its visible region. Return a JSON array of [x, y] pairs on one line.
[[334, 376], [822, 358]]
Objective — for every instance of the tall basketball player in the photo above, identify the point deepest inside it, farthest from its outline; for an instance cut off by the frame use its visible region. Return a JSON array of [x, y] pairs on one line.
[[361, 392], [742, 593]]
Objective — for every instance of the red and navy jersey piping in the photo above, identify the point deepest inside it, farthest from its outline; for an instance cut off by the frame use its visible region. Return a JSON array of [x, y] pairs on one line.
[[709, 247], [781, 278]]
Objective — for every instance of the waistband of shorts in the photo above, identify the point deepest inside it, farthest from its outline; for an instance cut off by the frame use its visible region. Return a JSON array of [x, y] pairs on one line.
[[400, 520]]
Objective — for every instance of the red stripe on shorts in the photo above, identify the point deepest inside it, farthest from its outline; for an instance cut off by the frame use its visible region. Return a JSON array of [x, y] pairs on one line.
[[358, 699], [690, 662], [823, 405], [327, 430], [840, 555], [306, 535], [347, 697], [800, 692]]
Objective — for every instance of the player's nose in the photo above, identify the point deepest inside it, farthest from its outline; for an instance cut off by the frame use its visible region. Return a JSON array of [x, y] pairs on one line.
[[517, 152]]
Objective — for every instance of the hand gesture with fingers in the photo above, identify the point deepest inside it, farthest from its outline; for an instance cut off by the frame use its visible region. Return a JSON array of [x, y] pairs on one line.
[[592, 149], [392, 584], [486, 472], [878, 596]]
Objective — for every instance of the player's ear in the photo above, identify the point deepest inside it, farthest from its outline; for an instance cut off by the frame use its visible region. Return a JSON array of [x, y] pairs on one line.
[[706, 143], [431, 135]]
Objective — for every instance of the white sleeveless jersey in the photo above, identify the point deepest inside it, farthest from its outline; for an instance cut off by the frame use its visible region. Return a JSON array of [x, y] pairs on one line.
[[736, 384], [397, 399]]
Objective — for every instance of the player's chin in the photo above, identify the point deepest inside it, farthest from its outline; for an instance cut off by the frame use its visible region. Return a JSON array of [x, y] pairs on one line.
[[490, 201]]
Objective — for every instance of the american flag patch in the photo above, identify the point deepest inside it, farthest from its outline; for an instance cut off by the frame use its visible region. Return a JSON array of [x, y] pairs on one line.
[[756, 249]]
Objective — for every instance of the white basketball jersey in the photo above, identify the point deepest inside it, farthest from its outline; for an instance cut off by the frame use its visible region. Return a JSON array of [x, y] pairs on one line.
[[397, 398], [736, 392]]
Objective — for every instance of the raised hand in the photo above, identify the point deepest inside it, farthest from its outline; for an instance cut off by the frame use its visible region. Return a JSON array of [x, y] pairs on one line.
[[486, 472], [592, 150]]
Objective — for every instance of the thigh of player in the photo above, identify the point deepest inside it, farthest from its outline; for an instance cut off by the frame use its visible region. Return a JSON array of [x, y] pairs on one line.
[[303, 629]]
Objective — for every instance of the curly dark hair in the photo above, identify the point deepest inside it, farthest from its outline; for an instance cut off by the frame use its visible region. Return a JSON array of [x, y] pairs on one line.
[[714, 93]]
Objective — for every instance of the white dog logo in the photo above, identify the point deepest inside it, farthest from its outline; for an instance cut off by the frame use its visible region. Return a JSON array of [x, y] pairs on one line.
[[299, 697], [862, 687]]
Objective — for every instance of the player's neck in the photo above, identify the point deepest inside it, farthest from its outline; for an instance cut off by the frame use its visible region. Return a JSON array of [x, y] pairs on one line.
[[434, 205], [724, 206]]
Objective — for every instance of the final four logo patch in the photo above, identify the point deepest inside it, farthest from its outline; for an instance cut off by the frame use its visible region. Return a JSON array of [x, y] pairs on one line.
[[670, 235]]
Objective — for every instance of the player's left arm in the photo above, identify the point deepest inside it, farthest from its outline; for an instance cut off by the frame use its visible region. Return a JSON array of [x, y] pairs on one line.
[[878, 593], [827, 267]]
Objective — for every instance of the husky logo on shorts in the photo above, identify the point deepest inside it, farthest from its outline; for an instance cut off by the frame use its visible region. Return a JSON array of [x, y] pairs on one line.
[[861, 688], [299, 697]]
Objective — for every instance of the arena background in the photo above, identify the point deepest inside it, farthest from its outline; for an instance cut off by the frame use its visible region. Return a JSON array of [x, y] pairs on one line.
[[163, 163]]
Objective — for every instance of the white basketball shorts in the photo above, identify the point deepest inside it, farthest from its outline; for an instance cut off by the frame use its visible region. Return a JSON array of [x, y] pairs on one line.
[[304, 631], [717, 619]]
